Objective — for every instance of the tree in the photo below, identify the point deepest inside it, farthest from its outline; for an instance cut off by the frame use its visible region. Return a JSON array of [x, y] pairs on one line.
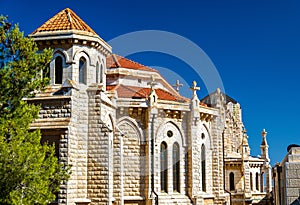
[[29, 171]]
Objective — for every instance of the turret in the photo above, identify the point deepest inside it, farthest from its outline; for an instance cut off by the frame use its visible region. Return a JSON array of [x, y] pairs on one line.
[[264, 147], [79, 54]]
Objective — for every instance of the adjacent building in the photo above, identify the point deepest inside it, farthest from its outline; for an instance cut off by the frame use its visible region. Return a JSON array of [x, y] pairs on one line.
[[131, 138], [286, 177]]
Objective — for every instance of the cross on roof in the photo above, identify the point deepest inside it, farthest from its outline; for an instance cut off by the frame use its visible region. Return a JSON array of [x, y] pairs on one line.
[[177, 85], [152, 83], [194, 88]]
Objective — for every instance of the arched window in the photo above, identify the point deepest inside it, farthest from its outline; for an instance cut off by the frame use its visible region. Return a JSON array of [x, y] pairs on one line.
[[82, 70], [251, 181], [97, 73], [256, 181], [176, 167], [203, 167], [262, 181], [58, 71], [101, 73], [231, 181], [163, 167]]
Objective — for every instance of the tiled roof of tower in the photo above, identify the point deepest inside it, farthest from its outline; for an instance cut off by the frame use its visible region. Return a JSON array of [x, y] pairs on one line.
[[65, 20], [137, 92], [115, 61]]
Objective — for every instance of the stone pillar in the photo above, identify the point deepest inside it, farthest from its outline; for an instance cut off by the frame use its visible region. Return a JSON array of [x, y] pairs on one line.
[[218, 125], [99, 158], [194, 149], [118, 169]]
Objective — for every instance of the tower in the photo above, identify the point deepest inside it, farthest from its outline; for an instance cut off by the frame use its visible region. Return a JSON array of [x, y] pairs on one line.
[[75, 100], [266, 169]]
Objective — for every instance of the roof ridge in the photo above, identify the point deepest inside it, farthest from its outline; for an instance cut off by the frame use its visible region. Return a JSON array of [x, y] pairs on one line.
[[175, 96], [134, 62]]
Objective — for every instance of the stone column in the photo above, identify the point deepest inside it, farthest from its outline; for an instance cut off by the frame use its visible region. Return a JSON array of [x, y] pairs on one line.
[[194, 150], [118, 169], [99, 158]]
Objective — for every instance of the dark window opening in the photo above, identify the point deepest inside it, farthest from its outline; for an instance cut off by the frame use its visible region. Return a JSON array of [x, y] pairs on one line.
[[251, 181], [176, 168], [163, 167], [231, 181], [256, 181], [97, 73], [82, 70], [203, 167], [58, 70], [101, 73]]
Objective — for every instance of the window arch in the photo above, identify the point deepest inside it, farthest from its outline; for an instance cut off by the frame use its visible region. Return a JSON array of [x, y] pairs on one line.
[[82, 70], [176, 167], [163, 167], [231, 181], [203, 167], [58, 71], [97, 73]]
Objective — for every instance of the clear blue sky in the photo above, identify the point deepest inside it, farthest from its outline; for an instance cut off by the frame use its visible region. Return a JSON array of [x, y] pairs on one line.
[[255, 46]]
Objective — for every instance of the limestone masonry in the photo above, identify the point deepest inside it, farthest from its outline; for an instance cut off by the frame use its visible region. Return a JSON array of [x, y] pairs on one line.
[[131, 138]]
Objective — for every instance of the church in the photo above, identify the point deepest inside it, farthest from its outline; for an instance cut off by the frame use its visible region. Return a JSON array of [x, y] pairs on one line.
[[131, 138]]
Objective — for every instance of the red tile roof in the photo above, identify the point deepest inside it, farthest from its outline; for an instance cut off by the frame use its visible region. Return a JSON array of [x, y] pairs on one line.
[[115, 61], [65, 20], [137, 92]]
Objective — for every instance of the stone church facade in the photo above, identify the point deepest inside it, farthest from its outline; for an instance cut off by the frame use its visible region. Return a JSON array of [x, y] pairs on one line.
[[131, 138]]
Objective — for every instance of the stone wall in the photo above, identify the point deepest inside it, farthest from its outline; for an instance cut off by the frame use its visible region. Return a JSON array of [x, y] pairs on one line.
[[133, 161]]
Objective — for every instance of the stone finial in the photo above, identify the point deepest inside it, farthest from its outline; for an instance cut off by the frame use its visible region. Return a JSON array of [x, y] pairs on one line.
[[177, 85], [264, 133], [264, 140], [245, 137], [152, 83], [218, 90], [194, 88]]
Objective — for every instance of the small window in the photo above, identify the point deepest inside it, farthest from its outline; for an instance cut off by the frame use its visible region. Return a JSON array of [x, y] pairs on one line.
[[256, 181], [97, 73], [176, 168], [101, 73], [251, 181], [203, 167], [82, 70], [163, 167], [58, 71], [231, 181]]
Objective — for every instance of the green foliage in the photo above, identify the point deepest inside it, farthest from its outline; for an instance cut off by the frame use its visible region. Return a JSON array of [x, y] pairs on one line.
[[19, 65], [29, 171]]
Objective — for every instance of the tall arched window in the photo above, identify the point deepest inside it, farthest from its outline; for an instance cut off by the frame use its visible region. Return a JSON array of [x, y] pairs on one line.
[[58, 71], [203, 167], [101, 73], [262, 181], [82, 70], [97, 73], [251, 181], [176, 168], [163, 167], [231, 181], [256, 181]]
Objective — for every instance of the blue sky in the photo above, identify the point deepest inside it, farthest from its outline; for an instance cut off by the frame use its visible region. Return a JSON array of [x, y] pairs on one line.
[[254, 45]]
